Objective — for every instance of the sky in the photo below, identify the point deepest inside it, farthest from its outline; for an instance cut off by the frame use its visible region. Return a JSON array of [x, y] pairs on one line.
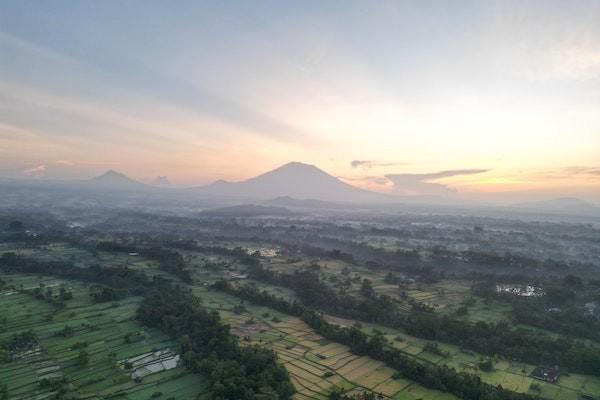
[[410, 97]]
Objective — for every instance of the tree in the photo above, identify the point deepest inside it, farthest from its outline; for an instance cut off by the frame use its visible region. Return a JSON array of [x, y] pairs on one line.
[[366, 289], [16, 226], [3, 392], [82, 358]]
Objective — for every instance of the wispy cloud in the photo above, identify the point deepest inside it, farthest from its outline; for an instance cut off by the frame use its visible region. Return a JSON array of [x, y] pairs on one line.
[[65, 163], [581, 170], [35, 171], [420, 184], [571, 172], [368, 164]]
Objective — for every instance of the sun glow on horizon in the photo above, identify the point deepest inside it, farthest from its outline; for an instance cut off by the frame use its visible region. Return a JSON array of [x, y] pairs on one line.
[[510, 90]]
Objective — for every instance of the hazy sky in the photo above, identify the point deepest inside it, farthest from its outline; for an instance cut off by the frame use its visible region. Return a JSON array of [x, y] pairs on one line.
[[412, 97]]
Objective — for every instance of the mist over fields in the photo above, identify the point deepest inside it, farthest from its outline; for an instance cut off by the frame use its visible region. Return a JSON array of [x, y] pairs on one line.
[[267, 200]]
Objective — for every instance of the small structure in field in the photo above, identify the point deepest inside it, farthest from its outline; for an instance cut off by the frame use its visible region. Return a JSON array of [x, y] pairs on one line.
[[237, 276], [546, 374]]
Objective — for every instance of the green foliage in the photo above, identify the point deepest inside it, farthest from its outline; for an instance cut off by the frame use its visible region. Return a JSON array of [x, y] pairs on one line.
[[66, 331], [463, 385], [486, 365], [83, 358], [21, 341], [208, 347], [15, 226], [486, 338], [239, 309]]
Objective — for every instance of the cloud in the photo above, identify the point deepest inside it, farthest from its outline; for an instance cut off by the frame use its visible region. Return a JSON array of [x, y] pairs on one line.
[[368, 164], [438, 175], [66, 163], [581, 170], [378, 180], [572, 172], [419, 184], [35, 171]]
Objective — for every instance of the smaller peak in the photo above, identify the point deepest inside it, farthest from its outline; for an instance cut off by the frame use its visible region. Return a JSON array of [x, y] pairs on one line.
[[112, 176], [112, 172], [161, 181]]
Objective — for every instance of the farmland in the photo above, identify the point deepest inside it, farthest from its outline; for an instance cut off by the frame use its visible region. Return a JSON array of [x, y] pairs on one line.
[[316, 365], [123, 359], [297, 345]]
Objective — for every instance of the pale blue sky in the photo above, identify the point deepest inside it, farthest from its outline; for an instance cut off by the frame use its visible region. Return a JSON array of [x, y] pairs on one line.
[[203, 90]]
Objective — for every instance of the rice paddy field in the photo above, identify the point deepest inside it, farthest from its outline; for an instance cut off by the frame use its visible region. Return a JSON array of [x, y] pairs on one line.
[[510, 374], [316, 365], [439, 295], [124, 359]]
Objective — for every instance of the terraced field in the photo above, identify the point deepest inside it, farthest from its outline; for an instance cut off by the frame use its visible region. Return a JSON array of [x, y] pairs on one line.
[[316, 365], [510, 374], [124, 359]]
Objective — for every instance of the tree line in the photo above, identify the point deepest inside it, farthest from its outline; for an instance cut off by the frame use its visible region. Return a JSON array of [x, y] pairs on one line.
[[206, 344], [208, 347], [463, 385], [485, 338]]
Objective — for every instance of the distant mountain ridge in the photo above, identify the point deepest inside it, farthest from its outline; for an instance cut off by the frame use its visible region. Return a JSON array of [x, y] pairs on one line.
[[287, 201], [248, 210], [568, 205], [296, 180]]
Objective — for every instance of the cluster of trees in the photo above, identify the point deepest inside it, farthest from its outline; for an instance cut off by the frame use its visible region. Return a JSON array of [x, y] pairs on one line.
[[463, 385], [566, 320], [561, 309], [499, 338], [168, 260], [486, 338], [21, 341], [48, 295], [207, 346], [14, 232], [365, 395], [118, 282]]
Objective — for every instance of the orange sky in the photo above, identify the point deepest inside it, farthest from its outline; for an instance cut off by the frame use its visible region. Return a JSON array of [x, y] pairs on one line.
[[201, 92]]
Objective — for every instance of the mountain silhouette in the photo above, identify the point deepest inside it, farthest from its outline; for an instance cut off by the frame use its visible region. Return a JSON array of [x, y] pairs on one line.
[[297, 180], [115, 180], [161, 181]]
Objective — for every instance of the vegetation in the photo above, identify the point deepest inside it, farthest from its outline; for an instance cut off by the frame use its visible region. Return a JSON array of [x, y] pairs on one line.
[[486, 338], [463, 385], [206, 344], [208, 347]]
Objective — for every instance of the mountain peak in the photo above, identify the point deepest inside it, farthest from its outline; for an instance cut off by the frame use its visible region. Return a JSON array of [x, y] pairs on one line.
[[161, 181], [298, 166], [116, 179], [111, 173], [297, 180]]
